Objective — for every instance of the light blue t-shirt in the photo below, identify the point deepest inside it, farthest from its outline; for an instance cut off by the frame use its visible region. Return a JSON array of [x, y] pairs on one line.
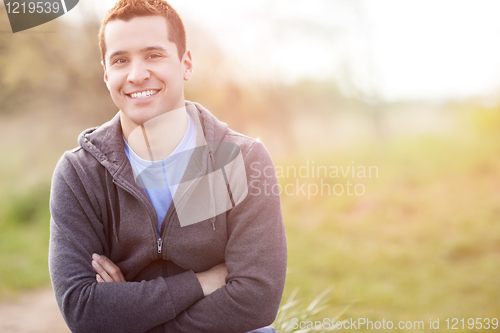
[[155, 176]]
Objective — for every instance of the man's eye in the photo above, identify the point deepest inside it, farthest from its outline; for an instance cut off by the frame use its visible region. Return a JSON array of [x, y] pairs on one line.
[[154, 55], [120, 61]]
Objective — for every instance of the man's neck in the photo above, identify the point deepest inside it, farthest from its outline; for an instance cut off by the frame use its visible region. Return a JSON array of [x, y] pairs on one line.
[[157, 138]]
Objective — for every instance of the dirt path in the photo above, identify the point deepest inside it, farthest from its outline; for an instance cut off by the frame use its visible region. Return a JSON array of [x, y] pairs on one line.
[[33, 312]]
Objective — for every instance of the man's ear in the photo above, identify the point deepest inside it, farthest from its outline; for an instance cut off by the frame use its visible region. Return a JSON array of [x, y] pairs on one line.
[[187, 61], [105, 75]]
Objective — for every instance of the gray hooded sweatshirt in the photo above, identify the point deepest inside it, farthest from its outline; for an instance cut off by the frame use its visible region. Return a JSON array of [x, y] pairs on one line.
[[97, 206]]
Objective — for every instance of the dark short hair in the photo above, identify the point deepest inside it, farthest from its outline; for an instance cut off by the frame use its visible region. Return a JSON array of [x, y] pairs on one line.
[[126, 10]]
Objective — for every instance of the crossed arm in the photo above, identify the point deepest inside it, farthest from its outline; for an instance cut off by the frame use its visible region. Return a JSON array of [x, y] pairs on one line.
[[107, 271]]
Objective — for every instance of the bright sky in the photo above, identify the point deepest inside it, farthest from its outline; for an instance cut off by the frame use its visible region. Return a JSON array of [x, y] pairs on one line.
[[397, 49]]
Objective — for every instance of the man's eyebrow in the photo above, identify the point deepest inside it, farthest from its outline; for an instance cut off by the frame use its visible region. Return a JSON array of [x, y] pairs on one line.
[[154, 48], [149, 48], [116, 53]]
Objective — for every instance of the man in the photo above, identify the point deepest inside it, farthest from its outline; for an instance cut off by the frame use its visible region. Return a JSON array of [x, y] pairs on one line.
[[153, 228]]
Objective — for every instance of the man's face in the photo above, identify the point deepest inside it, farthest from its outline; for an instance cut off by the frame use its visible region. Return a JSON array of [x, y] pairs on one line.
[[143, 71]]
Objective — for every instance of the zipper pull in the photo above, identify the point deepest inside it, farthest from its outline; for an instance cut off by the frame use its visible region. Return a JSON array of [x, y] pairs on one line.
[[160, 244], [213, 225]]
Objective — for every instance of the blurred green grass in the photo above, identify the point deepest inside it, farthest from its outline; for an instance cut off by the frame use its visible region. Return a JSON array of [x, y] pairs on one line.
[[422, 242], [24, 237]]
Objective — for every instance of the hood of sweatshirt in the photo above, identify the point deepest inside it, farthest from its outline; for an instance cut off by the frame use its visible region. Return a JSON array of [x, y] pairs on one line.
[[105, 142]]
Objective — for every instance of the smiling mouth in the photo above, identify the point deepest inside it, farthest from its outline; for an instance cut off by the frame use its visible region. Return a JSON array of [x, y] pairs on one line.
[[143, 94]]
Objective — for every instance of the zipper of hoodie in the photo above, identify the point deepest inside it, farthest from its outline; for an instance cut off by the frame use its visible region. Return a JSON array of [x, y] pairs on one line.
[[160, 244], [159, 241]]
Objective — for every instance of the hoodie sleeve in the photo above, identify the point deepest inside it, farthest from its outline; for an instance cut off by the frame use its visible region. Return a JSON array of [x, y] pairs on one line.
[[75, 233], [255, 256]]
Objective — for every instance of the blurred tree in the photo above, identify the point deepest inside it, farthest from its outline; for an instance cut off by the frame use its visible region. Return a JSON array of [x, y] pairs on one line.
[[53, 69]]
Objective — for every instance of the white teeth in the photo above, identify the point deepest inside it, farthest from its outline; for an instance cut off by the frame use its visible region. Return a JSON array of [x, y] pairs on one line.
[[143, 94]]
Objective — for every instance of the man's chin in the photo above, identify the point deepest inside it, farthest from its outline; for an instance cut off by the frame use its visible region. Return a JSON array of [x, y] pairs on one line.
[[139, 117]]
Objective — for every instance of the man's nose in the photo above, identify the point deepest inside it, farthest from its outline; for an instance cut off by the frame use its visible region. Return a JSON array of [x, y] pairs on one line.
[[138, 73]]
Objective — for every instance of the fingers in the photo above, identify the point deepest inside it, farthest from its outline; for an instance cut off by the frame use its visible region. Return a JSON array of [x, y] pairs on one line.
[[101, 272], [107, 270]]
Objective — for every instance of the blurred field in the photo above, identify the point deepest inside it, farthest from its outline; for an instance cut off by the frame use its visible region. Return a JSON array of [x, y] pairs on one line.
[[423, 242]]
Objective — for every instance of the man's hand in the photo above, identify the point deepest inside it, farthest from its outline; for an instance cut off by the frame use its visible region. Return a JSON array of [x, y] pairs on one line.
[[106, 270], [212, 279]]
